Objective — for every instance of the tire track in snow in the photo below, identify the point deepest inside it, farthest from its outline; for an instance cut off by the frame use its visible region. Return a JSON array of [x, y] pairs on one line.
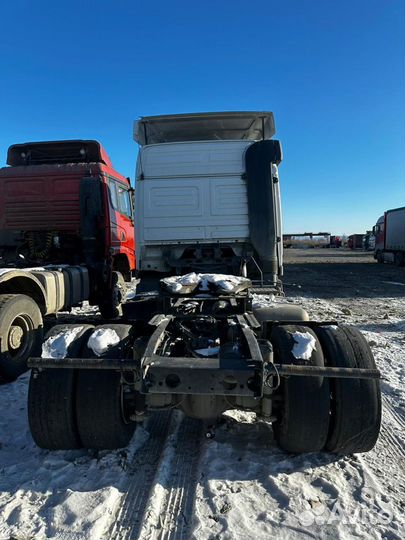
[[142, 472], [159, 500], [394, 445], [392, 430], [171, 502], [394, 413]]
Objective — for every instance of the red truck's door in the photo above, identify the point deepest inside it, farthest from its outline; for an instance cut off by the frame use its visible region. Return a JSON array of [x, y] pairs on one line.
[[121, 220]]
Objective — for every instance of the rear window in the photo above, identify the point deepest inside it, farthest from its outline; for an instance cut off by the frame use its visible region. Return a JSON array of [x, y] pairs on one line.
[[120, 198], [124, 201]]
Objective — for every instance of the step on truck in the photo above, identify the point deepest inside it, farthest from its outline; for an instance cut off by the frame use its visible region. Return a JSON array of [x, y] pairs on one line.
[[66, 236], [198, 343]]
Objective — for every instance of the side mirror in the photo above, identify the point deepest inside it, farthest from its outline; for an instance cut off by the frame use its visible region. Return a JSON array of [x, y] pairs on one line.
[[277, 152], [132, 195]]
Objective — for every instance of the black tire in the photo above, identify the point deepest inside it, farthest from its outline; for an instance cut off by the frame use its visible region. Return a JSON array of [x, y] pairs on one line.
[[370, 412], [355, 403], [21, 331], [303, 419], [51, 398], [399, 258], [101, 420], [111, 307], [102, 415], [379, 257]]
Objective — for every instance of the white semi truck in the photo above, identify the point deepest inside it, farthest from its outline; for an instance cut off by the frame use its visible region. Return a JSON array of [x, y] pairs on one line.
[[207, 194], [207, 199]]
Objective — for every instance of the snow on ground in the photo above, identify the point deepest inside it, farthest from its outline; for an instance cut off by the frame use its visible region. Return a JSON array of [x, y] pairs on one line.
[[250, 489], [243, 486]]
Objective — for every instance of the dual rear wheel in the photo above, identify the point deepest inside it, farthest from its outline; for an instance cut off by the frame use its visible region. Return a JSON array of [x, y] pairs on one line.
[[339, 415], [71, 409]]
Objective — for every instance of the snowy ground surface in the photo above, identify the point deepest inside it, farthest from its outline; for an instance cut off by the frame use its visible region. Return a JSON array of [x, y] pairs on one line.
[[174, 483]]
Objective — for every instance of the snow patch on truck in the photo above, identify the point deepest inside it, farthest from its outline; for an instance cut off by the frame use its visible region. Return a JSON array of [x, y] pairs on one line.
[[201, 282], [208, 351], [259, 300], [33, 269], [102, 339], [304, 345], [57, 346]]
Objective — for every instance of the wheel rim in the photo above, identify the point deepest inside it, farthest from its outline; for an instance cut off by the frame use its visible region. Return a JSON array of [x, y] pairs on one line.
[[20, 337]]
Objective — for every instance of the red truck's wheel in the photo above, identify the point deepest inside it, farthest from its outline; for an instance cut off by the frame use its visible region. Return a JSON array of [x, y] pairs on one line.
[[379, 257], [111, 306], [21, 334], [399, 258]]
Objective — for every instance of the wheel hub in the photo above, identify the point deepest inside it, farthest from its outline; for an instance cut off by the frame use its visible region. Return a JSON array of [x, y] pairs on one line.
[[15, 337]]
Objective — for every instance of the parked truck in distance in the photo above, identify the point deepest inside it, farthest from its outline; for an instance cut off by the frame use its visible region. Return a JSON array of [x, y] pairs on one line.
[[355, 241], [66, 236], [307, 240], [335, 241], [389, 232]]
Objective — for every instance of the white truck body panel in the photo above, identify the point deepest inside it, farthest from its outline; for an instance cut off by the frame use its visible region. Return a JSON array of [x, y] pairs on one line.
[[395, 230], [191, 192], [214, 126]]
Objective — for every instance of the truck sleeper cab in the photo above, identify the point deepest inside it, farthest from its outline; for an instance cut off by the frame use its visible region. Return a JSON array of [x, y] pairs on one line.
[[208, 194]]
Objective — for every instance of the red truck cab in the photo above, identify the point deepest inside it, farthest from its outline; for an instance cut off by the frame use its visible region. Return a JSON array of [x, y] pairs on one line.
[[379, 229], [62, 202]]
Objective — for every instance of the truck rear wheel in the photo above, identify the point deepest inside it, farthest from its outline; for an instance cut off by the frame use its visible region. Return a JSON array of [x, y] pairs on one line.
[[102, 407], [355, 403], [20, 334], [51, 397], [303, 418], [102, 413], [111, 306], [399, 258]]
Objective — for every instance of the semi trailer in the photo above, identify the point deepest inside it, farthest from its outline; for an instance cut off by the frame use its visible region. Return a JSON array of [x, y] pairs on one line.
[[389, 232], [66, 236], [355, 241], [198, 343]]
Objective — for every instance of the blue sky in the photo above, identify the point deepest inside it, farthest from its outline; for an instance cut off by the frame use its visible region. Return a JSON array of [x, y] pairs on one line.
[[332, 72]]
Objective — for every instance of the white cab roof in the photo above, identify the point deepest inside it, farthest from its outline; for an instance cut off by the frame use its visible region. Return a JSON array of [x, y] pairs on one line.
[[204, 127]]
